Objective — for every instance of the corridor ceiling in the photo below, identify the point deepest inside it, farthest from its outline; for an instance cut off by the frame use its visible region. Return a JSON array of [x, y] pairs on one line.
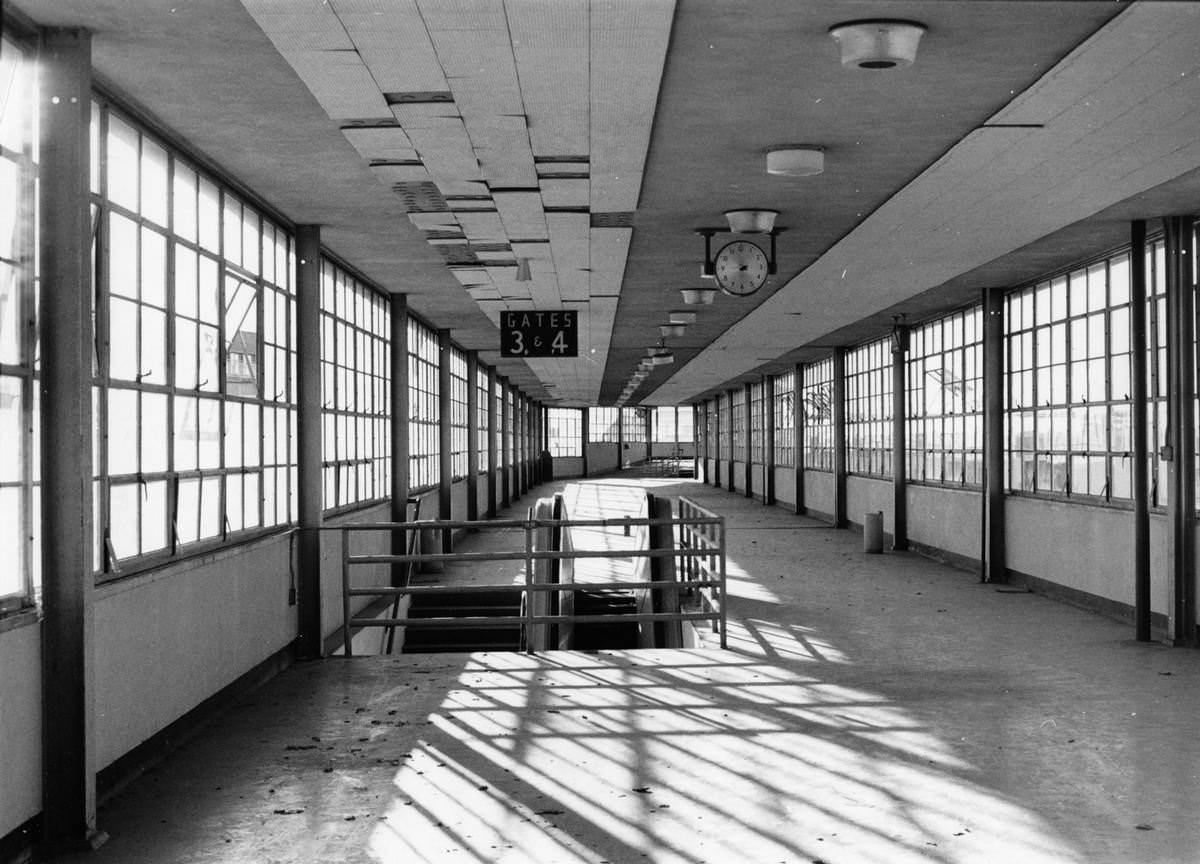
[[437, 142]]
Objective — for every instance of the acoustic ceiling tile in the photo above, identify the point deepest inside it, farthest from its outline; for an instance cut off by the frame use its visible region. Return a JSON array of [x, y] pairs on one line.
[[380, 142], [462, 14], [564, 193], [551, 45], [522, 214], [302, 25], [341, 84]]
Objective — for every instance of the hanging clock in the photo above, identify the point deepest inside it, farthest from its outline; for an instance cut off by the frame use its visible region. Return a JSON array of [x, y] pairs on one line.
[[741, 268]]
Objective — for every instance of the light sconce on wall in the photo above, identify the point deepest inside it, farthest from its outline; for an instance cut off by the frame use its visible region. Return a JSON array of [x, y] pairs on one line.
[[878, 44], [523, 274], [899, 335], [669, 331]]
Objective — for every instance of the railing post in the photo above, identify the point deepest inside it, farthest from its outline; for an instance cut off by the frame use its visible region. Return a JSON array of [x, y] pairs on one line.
[[347, 637], [528, 584], [724, 619]]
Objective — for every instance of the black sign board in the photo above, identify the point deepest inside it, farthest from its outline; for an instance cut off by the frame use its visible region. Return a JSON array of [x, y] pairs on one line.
[[539, 334]]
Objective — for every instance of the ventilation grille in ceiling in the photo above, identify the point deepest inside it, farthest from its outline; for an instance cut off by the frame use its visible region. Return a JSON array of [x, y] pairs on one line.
[[421, 197], [418, 96], [612, 220], [457, 253]]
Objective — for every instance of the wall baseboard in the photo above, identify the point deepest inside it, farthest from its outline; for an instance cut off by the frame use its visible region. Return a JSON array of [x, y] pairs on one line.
[[1115, 609], [17, 846], [942, 556]]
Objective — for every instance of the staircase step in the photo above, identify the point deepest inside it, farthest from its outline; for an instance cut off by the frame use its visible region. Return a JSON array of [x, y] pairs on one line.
[[458, 648], [469, 598], [449, 611]]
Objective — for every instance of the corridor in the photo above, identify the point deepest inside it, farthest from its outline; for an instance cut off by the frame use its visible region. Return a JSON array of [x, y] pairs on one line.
[[870, 708]]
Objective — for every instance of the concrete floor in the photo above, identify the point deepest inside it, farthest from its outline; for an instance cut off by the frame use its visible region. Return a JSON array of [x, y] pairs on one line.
[[871, 708]]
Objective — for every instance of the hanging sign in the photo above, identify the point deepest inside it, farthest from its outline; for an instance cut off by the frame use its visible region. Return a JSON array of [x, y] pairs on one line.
[[539, 334]]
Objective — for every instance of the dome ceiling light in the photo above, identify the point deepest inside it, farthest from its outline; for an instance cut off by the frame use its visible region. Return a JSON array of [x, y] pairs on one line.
[[751, 221], [698, 296], [798, 161], [878, 44]]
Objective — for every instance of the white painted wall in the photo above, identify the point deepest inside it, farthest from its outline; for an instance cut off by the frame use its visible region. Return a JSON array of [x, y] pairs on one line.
[[602, 458], [1084, 547], [869, 495], [945, 518], [20, 725], [785, 486], [819, 491], [568, 466], [166, 640]]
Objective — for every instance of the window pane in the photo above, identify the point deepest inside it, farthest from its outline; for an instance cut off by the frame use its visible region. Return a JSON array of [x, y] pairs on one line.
[[154, 182], [122, 155], [184, 439], [154, 516], [185, 202], [125, 519], [188, 519], [122, 432]]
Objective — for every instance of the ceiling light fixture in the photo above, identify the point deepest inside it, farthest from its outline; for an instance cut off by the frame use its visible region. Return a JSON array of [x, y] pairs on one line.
[[698, 296], [751, 221], [878, 44], [668, 331], [798, 161], [683, 317], [523, 274]]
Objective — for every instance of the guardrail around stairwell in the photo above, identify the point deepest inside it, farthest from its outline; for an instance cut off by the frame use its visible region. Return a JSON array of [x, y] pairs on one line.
[[704, 532]]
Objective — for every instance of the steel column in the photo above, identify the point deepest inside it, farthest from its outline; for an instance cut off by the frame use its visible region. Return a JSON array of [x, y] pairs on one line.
[[839, 437], [994, 542], [1141, 450], [1181, 503], [585, 431], [505, 419], [472, 436], [899, 441], [309, 454], [65, 385], [768, 407], [493, 424], [798, 416], [399, 424], [445, 433], [748, 413]]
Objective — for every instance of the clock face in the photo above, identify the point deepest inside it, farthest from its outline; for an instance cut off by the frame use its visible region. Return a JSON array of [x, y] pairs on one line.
[[740, 268]]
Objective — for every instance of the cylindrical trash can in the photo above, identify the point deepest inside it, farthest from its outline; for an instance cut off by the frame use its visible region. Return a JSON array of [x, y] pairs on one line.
[[430, 541], [873, 532]]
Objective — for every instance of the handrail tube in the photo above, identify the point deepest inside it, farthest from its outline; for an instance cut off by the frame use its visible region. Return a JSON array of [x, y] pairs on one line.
[[454, 524], [346, 635], [702, 547], [383, 591], [476, 621], [549, 555]]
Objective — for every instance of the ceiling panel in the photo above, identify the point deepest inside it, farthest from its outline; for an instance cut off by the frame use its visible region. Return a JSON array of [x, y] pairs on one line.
[[995, 191]]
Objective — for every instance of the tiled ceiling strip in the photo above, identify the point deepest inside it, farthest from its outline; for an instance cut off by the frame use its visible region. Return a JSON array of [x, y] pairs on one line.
[[514, 129]]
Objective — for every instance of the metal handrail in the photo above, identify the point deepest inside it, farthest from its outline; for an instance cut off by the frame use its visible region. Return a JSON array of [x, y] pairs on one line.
[[704, 574]]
